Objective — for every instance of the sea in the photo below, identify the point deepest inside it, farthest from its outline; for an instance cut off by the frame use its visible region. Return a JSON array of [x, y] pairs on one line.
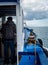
[[42, 33]]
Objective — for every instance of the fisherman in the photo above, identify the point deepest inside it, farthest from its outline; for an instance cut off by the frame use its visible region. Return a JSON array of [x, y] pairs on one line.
[[27, 33], [31, 39], [39, 43], [9, 34], [31, 47]]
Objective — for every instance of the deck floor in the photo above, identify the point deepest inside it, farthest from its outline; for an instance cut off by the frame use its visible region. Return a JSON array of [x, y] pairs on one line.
[[2, 63]]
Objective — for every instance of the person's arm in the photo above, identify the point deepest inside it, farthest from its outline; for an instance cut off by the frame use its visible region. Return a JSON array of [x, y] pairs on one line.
[[15, 35], [2, 32], [15, 30], [2, 29]]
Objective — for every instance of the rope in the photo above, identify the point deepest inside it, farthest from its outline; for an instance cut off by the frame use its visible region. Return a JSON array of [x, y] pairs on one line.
[[35, 54]]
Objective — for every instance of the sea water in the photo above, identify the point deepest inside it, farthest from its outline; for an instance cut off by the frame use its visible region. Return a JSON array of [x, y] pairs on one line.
[[42, 33]]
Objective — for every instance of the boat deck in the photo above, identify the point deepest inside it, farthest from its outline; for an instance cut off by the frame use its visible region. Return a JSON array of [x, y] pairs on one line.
[[2, 63]]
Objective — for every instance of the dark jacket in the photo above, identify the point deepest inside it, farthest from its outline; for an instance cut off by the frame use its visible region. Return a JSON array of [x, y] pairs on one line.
[[8, 30]]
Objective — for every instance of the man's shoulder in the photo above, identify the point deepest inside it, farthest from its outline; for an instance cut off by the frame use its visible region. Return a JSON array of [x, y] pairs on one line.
[[13, 23]]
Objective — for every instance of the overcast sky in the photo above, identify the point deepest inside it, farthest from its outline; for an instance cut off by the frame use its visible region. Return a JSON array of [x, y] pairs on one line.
[[35, 4], [35, 12]]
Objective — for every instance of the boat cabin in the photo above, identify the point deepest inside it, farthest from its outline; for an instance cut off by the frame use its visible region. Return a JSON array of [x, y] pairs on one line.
[[11, 8]]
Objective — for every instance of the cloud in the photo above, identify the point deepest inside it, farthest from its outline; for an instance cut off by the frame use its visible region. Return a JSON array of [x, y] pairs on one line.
[[35, 4], [35, 12], [35, 9], [30, 15]]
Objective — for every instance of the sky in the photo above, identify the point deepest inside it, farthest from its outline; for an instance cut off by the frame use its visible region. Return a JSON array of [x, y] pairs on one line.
[[35, 12], [35, 4]]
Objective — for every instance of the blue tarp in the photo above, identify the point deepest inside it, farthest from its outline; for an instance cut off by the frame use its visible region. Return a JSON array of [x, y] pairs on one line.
[[28, 58], [9, 0], [43, 58]]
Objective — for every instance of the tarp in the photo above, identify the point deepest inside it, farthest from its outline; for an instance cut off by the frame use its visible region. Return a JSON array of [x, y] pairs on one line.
[[28, 56], [9, 0], [43, 58]]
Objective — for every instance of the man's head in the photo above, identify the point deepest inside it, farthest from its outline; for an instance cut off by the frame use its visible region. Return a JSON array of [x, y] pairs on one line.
[[9, 18], [31, 38]]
